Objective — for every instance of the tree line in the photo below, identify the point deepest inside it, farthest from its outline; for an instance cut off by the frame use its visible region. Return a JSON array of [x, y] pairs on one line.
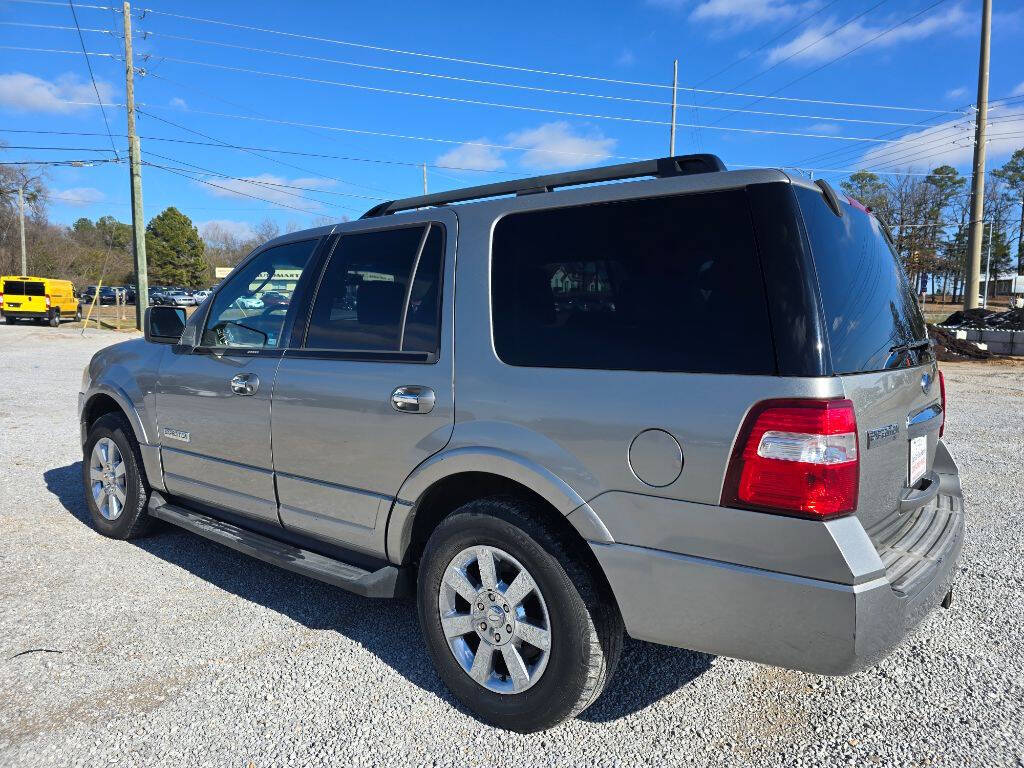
[[929, 215]]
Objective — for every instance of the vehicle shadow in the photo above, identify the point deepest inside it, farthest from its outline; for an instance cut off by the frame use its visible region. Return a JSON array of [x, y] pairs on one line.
[[387, 628]]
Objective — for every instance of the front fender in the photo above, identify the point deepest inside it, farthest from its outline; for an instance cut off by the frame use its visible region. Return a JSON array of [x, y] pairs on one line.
[[124, 401]]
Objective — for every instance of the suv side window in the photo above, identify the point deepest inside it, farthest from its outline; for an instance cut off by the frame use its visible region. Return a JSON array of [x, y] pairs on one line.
[[250, 309], [381, 291], [661, 284]]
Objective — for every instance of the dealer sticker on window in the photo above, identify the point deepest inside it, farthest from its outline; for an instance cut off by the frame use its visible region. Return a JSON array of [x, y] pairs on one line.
[[918, 458]]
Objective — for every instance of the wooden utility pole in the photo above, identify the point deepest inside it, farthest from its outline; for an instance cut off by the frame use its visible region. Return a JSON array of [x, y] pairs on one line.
[[978, 171], [135, 165], [672, 128], [21, 224]]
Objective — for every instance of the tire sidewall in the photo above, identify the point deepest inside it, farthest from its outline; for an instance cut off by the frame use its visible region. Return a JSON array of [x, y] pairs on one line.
[[54, 318], [554, 695], [114, 427]]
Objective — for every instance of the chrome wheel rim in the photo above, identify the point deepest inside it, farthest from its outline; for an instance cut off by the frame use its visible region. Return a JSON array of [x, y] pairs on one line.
[[495, 620], [108, 478]]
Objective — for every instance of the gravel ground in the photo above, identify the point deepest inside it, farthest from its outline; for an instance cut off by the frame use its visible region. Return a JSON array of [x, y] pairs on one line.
[[174, 651]]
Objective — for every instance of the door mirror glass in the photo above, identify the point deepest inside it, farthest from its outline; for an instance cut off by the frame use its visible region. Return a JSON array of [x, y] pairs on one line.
[[164, 325]]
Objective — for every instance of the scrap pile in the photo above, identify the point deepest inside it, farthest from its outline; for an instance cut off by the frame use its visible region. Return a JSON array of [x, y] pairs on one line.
[[949, 347], [1011, 320]]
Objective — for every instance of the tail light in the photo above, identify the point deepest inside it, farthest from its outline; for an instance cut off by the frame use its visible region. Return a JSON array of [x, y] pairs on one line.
[[942, 394], [47, 301], [796, 457]]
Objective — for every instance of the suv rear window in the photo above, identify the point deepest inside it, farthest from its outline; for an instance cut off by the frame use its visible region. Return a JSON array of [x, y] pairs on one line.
[[23, 288], [869, 305], [661, 284]]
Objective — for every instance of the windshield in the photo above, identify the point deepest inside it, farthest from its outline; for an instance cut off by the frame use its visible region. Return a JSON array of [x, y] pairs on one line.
[[870, 308]]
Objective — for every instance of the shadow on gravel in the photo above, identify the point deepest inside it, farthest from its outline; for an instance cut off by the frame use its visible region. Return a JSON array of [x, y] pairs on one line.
[[387, 628]]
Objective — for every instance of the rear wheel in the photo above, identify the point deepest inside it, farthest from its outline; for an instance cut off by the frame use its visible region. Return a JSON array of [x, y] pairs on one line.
[[54, 319], [10, 320], [115, 487], [517, 625]]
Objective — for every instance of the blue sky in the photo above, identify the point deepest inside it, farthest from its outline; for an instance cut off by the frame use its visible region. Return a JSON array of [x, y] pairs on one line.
[[535, 122]]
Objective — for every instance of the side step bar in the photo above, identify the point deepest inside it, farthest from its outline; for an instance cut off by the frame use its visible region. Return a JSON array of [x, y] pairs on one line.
[[380, 583]]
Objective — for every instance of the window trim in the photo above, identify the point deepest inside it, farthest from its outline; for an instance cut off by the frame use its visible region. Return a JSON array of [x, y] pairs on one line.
[[300, 350], [289, 320]]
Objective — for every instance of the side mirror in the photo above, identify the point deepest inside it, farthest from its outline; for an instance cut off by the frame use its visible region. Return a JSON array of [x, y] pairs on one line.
[[163, 324]]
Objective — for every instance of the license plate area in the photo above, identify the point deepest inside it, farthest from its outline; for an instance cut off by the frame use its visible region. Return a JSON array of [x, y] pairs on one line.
[[918, 463]]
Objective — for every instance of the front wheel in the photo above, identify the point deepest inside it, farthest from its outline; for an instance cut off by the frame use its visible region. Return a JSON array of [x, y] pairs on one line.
[[519, 627], [115, 488], [78, 314]]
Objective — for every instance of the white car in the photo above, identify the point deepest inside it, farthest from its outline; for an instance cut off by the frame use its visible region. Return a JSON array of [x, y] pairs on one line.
[[201, 296], [249, 302]]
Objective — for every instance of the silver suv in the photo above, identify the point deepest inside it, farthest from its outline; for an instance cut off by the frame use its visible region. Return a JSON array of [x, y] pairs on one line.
[[697, 405]]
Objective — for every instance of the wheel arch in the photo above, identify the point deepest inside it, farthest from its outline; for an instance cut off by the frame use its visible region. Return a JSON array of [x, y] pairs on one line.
[[106, 399], [446, 481]]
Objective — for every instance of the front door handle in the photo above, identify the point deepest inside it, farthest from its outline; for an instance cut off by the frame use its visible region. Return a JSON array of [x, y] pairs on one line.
[[413, 399], [245, 384]]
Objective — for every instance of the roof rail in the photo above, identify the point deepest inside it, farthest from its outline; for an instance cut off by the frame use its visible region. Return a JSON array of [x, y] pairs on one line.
[[680, 165]]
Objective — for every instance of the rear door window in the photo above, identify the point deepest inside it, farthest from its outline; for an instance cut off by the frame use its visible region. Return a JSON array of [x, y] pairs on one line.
[[662, 284], [24, 288], [381, 291], [870, 309]]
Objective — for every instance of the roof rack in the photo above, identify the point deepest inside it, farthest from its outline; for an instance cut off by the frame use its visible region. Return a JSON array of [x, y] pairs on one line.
[[663, 167]]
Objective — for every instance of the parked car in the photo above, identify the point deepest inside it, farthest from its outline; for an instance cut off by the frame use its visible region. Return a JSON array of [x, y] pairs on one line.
[[249, 302], [178, 299], [201, 296], [38, 298], [729, 441]]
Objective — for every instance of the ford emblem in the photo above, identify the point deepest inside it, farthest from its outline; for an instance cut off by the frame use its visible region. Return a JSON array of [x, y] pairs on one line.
[[926, 382]]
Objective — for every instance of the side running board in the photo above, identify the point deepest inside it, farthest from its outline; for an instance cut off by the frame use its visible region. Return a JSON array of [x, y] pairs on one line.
[[380, 583]]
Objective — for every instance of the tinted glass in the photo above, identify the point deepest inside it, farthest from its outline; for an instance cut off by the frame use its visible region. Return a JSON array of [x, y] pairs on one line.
[[362, 293], [24, 288], [251, 308], [868, 303], [167, 322], [667, 284]]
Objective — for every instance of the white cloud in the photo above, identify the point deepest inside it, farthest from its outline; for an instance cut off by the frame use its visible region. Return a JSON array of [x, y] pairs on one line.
[[747, 13], [241, 229], [554, 145], [27, 93], [626, 58], [178, 103], [956, 93], [1018, 91], [78, 196], [277, 189], [826, 127], [474, 154], [859, 32], [950, 143]]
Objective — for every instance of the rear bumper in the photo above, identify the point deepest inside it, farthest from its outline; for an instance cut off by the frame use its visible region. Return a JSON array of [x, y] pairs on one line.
[[23, 314], [817, 625]]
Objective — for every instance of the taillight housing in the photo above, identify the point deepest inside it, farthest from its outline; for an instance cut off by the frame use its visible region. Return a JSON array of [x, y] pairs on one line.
[[796, 457], [942, 394], [47, 297]]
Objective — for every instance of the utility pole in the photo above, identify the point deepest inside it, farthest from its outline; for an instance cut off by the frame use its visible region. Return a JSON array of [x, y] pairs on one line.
[[21, 223], [424, 178], [978, 170], [135, 164], [672, 128], [988, 264]]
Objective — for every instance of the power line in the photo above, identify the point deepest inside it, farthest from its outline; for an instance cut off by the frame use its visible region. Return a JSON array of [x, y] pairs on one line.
[[228, 189], [766, 43], [852, 50], [92, 77]]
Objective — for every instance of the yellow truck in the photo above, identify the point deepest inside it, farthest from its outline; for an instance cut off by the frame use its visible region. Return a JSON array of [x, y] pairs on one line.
[[38, 298]]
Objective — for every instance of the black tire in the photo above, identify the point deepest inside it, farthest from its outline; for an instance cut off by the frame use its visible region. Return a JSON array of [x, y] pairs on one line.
[[10, 320], [54, 319], [78, 314], [133, 520], [586, 628]]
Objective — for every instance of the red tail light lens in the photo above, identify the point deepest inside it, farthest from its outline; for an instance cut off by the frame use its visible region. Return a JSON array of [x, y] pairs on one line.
[[47, 301], [942, 394], [796, 457]]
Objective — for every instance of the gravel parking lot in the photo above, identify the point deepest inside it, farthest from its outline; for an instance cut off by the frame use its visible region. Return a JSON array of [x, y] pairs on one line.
[[175, 651]]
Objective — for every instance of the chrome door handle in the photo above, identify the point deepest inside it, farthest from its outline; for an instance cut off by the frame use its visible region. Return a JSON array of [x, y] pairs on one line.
[[413, 399], [245, 384]]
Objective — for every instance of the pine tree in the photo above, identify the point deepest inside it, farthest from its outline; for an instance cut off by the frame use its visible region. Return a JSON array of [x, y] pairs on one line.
[[175, 251]]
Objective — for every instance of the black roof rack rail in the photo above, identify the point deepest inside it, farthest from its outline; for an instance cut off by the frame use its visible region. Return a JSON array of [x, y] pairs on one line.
[[680, 165]]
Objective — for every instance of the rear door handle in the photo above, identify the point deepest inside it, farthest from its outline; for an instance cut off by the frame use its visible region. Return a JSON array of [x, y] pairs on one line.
[[245, 384], [413, 399]]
